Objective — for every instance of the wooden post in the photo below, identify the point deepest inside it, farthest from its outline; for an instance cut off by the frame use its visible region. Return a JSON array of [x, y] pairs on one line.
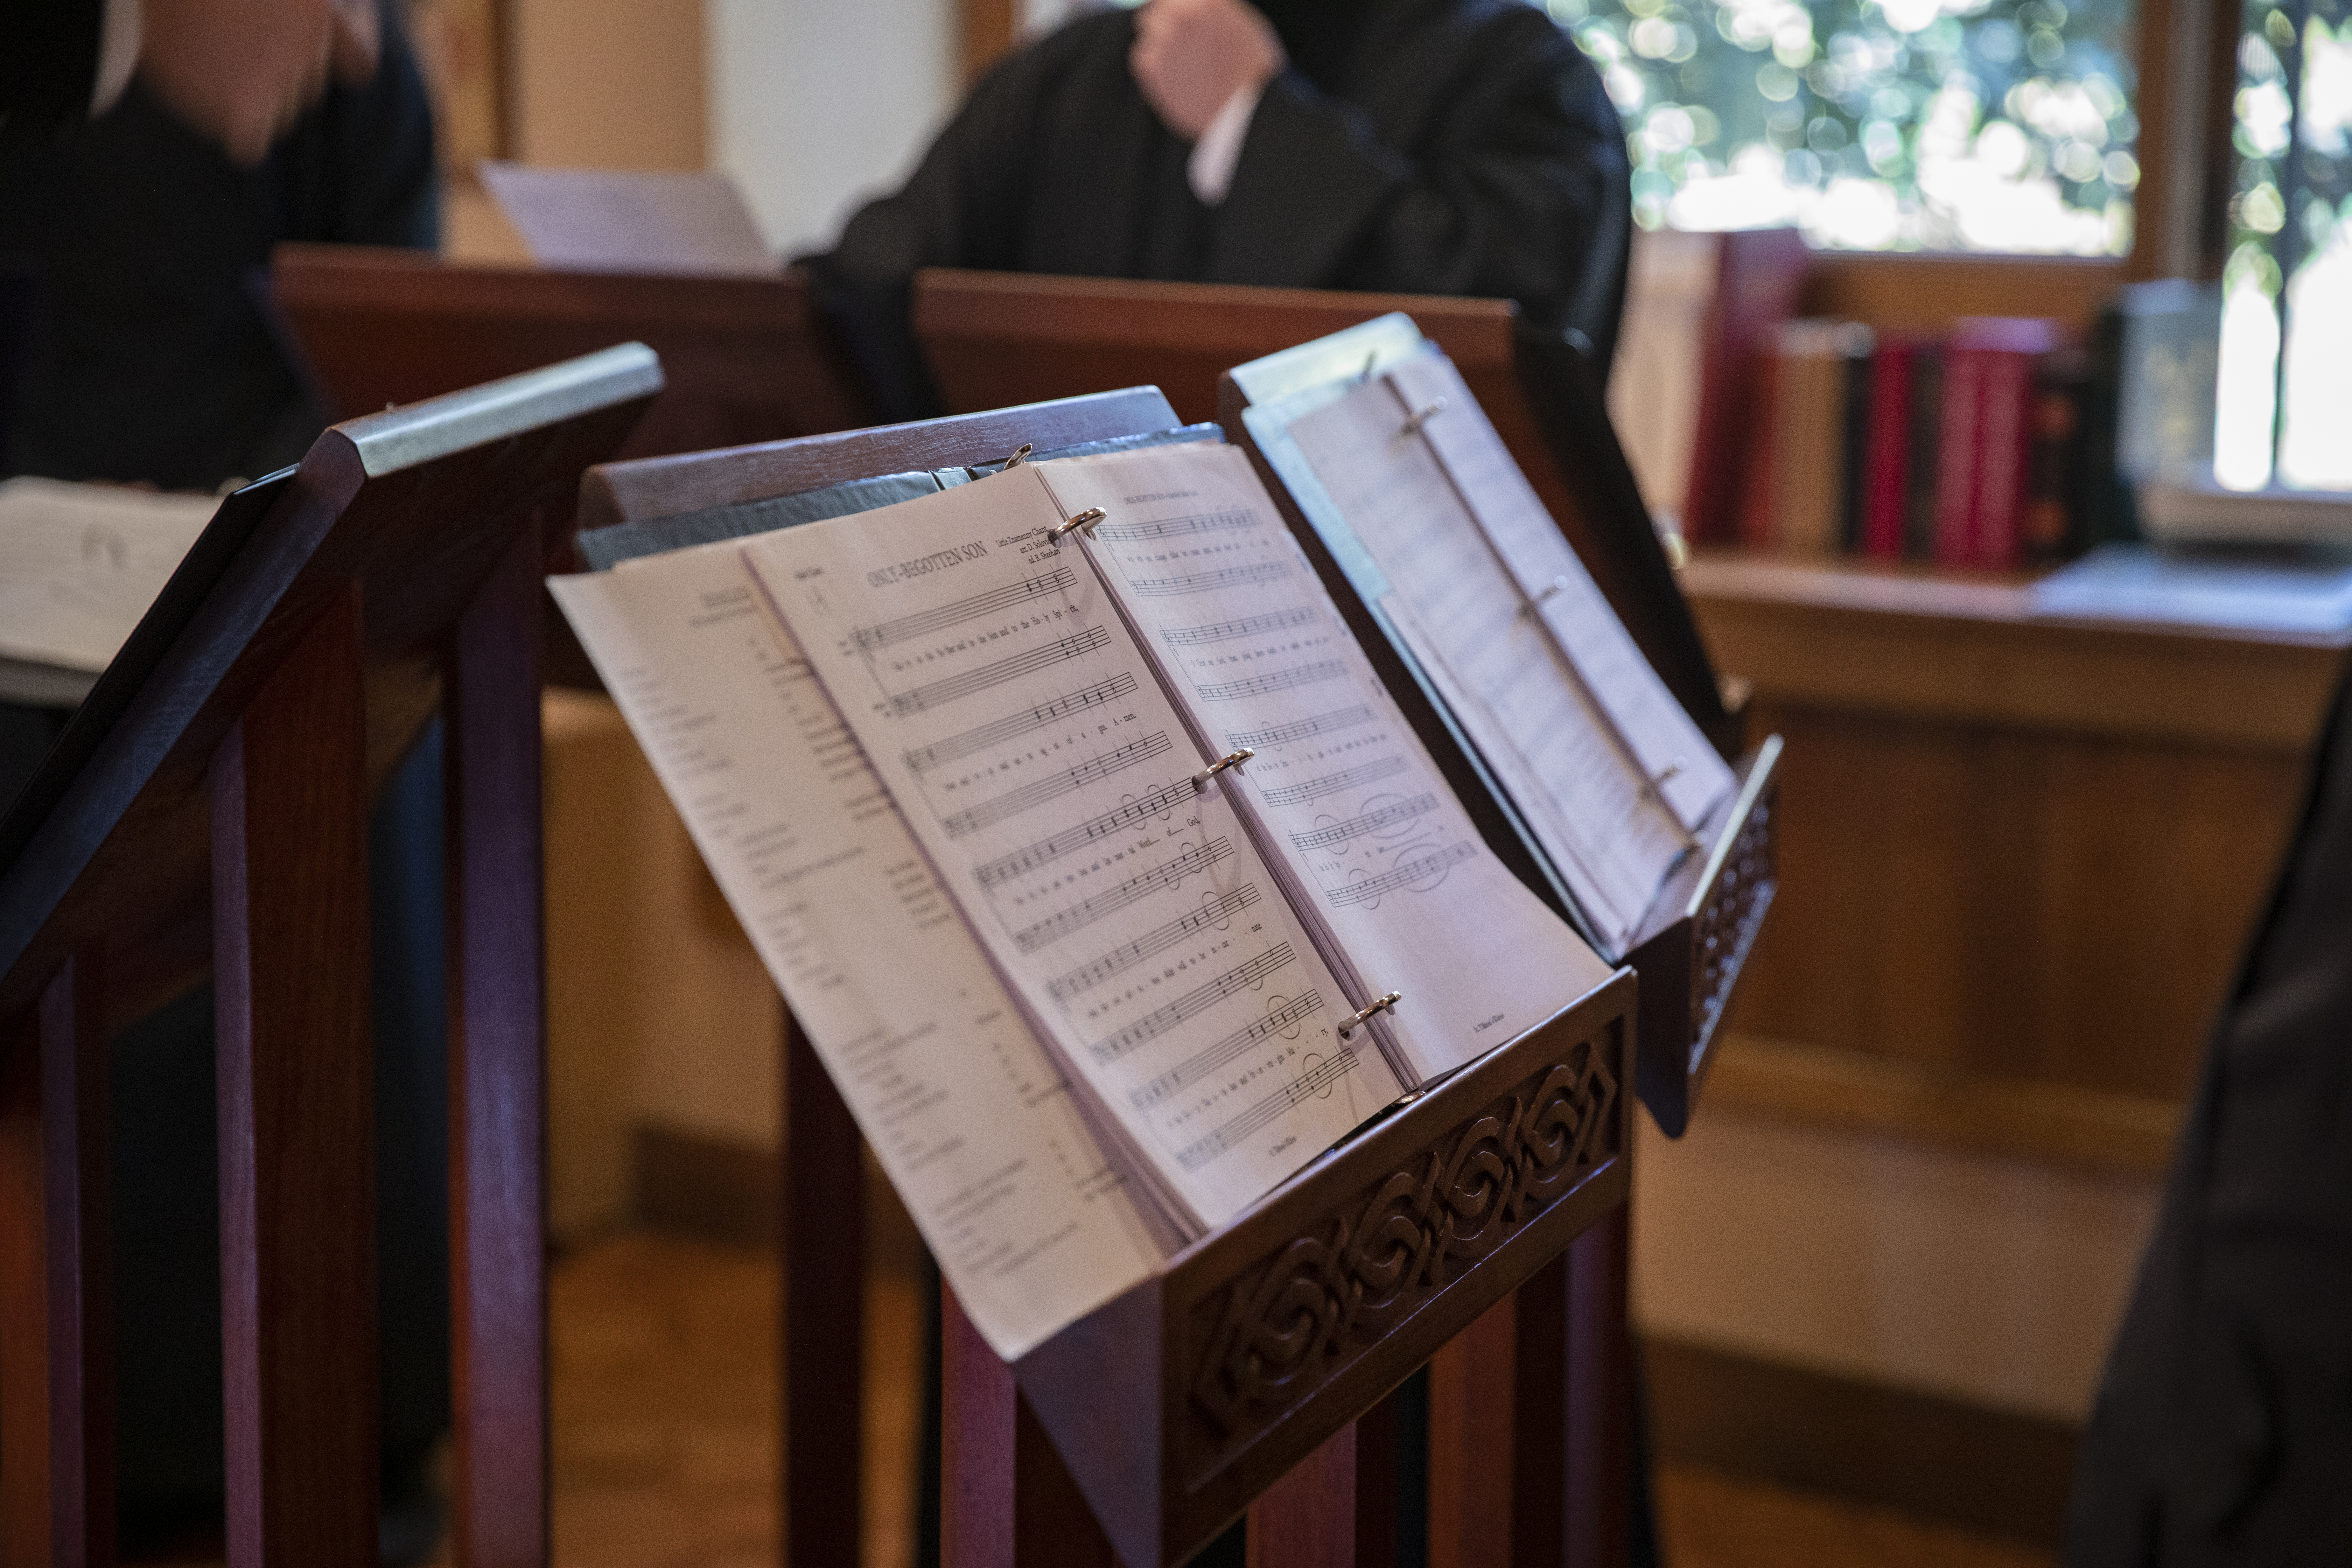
[[1006, 1497], [297, 1165], [1600, 1398], [56, 1392], [1376, 1485], [824, 1208], [1471, 1408], [1307, 1519], [497, 1049]]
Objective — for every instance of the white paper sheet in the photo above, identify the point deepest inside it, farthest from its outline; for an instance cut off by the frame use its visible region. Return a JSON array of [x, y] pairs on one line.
[[1379, 848], [1514, 690], [986, 672], [80, 564], [967, 1113], [614, 220]]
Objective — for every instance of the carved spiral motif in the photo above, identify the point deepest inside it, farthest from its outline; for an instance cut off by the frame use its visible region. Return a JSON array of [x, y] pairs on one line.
[[1287, 1326]]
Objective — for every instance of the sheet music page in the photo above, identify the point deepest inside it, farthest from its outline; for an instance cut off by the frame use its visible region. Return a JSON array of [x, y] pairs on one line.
[[966, 1112], [987, 674], [1659, 730], [1377, 843], [631, 220], [1612, 842], [80, 564]]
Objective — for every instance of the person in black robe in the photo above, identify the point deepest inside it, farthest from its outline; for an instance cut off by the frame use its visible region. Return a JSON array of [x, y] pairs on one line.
[[1460, 147], [2223, 1434]]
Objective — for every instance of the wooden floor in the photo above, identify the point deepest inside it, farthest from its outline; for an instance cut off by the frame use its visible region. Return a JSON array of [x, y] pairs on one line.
[[665, 1422]]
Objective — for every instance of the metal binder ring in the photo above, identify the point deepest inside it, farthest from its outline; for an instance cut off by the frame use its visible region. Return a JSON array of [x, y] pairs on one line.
[[1378, 1004], [1230, 759], [1552, 590], [1421, 416], [1087, 519], [1656, 788], [1020, 456]]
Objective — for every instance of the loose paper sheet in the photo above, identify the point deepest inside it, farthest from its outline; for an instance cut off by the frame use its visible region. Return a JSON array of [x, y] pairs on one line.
[[1512, 686], [968, 1116], [986, 672], [80, 564], [1380, 849], [612, 220]]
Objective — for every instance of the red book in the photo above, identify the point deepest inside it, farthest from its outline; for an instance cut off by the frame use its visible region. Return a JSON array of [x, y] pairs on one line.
[[1887, 461], [1756, 524], [1956, 456], [1758, 275], [2002, 354]]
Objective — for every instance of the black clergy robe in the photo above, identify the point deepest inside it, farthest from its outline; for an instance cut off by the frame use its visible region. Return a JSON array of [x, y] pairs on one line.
[[1459, 147]]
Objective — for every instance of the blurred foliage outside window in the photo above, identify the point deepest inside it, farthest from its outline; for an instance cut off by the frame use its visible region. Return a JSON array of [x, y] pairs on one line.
[[1974, 125], [2284, 419]]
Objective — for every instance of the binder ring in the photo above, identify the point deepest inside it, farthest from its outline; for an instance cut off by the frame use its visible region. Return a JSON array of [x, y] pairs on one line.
[[1379, 1004], [1087, 519], [1551, 590], [1421, 416], [1230, 759], [1020, 456]]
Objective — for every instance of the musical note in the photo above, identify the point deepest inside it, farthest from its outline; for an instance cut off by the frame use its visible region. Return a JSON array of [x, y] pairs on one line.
[[868, 638], [1277, 1021], [1119, 960], [1371, 822], [1201, 582], [1199, 1000], [1301, 729], [1331, 783], [1131, 813], [1175, 527], [1315, 1080], [1077, 644], [1094, 770], [1297, 674], [1167, 874], [1425, 864], [1021, 723], [1247, 627]]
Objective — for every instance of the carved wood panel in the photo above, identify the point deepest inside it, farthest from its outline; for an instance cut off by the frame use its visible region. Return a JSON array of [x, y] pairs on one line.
[[1727, 922]]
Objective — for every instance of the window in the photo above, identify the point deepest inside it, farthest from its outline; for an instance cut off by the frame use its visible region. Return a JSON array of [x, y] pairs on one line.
[[1984, 125], [2288, 282]]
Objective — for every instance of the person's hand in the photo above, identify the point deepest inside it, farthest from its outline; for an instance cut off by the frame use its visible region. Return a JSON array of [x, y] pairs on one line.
[[1190, 55], [241, 72]]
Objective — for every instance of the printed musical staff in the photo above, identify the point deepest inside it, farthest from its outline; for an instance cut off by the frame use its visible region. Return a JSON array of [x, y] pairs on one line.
[[1130, 814], [1094, 770], [1419, 870], [1289, 679], [1332, 783], [1202, 1063], [1305, 729], [1167, 874], [1247, 627], [923, 699], [1317, 1079], [1176, 527], [1022, 724], [867, 638], [1193, 1003], [1371, 822], [1151, 943], [1201, 582]]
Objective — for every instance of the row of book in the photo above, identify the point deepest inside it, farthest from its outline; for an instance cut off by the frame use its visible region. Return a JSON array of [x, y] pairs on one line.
[[1966, 451]]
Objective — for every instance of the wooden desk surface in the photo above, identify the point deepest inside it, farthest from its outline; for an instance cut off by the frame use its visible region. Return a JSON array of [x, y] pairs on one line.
[[2024, 851]]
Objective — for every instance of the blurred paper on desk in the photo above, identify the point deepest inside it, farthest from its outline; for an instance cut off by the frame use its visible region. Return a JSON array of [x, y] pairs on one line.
[[78, 566], [2305, 591], [612, 220]]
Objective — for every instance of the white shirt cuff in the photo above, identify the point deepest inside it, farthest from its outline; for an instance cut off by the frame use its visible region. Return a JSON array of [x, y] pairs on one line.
[[118, 54], [1209, 170]]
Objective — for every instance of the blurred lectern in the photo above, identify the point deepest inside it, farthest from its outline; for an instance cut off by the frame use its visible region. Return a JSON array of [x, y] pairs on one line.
[[207, 808]]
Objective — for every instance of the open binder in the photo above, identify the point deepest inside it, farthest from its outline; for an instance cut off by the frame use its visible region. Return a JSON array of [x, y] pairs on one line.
[[1602, 790], [1435, 1212]]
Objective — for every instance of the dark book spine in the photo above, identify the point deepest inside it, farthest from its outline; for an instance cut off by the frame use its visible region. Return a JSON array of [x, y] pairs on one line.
[[1854, 470], [1886, 465], [2053, 523], [1927, 449]]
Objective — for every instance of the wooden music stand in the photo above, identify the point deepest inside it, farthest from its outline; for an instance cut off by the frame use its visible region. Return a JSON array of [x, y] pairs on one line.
[[997, 338], [207, 808], [746, 359], [1234, 1379], [1691, 949]]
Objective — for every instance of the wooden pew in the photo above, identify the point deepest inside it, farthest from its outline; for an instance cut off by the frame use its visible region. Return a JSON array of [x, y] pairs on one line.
[[745, 357], [207, 806]]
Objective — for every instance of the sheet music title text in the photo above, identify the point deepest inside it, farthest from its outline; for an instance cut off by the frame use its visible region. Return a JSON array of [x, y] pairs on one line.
[[923, 565]]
